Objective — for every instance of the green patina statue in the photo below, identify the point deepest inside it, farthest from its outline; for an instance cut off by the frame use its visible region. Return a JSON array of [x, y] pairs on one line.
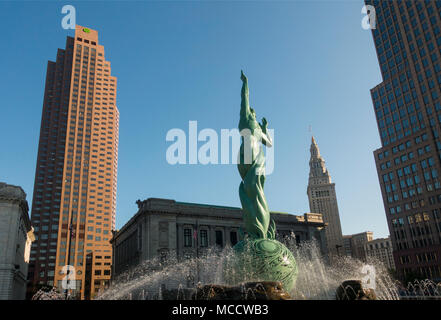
[[251, 167], [258, 256]]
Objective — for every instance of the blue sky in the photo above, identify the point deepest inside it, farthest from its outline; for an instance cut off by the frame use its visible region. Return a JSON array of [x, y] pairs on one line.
[[309, 63]]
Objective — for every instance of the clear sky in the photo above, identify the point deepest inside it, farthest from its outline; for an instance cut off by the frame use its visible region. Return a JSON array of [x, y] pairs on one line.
[[309, 63]]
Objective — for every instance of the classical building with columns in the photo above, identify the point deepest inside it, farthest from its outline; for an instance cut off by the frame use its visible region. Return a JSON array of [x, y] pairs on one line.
[[161, 226], [323, 199], [16, 236]]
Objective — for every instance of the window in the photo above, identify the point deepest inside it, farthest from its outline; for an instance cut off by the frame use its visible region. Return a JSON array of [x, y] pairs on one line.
[[204, 238], [233, 237], [219, 238], [187, 237]]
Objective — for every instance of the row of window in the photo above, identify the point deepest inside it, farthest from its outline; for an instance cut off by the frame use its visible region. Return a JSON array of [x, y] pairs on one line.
[[86, 41], [412, 168], [419, 257], [190, 235], [401, 147]]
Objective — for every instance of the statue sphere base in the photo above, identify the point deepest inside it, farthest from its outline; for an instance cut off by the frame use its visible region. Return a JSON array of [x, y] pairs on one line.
[[262, 260]]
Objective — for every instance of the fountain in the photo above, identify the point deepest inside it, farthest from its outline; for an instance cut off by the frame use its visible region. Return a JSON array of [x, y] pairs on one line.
[[317, 280], [259, 266]]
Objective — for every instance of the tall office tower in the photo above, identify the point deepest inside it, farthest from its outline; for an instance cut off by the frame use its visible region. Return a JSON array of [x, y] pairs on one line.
[[322, 199], [407, 106], [74, 201]]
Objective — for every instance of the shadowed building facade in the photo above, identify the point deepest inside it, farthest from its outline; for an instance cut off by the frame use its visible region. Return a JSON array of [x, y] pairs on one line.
[[323, 199], [16, 236], [407, 107], [162, 226], [74, 200], [380, 249], [354, 244]]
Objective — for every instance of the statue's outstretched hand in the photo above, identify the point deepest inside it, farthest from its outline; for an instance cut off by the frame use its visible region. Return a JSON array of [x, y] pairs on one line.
[[266, 139], [264, 123]]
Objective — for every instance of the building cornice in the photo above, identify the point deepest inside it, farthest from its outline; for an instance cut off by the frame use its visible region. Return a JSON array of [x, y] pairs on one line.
[[15, 195], [153, 206]]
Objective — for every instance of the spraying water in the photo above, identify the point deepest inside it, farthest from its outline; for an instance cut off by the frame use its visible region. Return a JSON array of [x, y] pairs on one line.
[[317, 279]]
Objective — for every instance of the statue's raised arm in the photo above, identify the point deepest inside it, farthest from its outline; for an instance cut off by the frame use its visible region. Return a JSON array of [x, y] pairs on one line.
[[245, 95]]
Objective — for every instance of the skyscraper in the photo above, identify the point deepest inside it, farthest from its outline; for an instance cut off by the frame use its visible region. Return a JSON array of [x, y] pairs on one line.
[[322, 199], [74, 200], [407, 106]]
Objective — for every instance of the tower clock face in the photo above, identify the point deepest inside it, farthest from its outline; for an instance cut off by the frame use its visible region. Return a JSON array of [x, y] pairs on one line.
[[86, 30]]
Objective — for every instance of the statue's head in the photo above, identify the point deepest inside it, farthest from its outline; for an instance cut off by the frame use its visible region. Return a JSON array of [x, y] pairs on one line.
[[253, 113]]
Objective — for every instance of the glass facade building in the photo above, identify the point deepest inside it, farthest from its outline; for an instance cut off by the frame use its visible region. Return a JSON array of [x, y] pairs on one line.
[[407, 106]]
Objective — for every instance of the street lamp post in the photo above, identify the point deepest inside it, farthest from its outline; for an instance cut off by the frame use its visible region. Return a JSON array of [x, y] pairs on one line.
[[197, 250], [68, 255]]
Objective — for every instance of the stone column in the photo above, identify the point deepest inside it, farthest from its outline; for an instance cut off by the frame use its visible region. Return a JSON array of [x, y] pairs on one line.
[[227, 236], [211, 236], [179, 239]]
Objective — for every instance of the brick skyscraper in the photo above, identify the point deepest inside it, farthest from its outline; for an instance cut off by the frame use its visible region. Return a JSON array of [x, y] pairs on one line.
[[74, 198], [407, 106]]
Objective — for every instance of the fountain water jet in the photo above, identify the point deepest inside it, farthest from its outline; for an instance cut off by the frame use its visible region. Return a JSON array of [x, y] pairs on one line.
[[317, 279]]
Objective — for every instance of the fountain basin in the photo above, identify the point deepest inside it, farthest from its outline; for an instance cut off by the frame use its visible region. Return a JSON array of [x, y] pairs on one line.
[[262, 290]]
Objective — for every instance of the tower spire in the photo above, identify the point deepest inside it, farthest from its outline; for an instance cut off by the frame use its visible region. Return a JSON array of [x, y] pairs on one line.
[[317, 168], [322, 198], [315, 151]]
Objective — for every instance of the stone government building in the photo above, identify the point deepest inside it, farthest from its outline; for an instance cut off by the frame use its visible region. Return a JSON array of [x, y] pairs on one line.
[[161, 226], [16, 236]]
